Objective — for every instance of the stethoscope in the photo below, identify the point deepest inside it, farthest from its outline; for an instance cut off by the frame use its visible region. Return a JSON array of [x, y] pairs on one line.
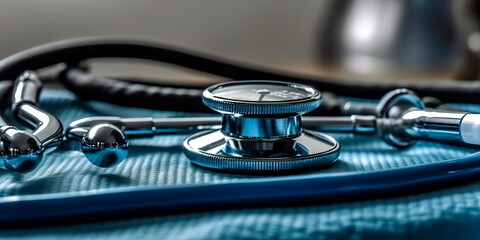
[[261, 131], [261, 128]]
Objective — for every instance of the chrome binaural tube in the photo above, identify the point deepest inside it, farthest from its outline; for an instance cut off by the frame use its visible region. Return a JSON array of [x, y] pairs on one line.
[[351, 124], [415, 124], [23, 151], [141, 127], [48, 129]]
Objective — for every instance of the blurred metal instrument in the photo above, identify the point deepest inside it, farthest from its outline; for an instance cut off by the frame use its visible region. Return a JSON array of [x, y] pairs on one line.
[[401, 39]]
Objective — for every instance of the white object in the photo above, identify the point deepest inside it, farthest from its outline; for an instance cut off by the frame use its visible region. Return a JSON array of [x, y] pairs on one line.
[[470, 129]]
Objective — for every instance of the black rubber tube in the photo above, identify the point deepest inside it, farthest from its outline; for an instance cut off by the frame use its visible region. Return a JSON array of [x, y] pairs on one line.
[[160, 97], [74, 51], [129, 94]]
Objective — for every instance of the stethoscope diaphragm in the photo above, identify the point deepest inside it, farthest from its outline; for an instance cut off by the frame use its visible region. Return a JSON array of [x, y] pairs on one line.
[[261, 129]]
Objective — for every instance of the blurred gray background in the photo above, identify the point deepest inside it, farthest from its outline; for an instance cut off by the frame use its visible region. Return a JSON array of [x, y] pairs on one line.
[[273, 33], [404, 40]]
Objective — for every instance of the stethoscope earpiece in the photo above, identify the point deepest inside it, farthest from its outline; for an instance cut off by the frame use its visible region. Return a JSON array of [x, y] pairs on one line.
[[22, 151], [104, 145]]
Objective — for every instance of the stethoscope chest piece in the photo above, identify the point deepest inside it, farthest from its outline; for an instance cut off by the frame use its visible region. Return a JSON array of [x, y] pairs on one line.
[[261, 130]]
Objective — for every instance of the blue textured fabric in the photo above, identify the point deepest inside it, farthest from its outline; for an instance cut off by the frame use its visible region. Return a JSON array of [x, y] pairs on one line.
[[451, 213]]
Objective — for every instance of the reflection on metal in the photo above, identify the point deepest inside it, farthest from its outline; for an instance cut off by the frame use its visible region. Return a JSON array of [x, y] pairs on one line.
[[395, 38]]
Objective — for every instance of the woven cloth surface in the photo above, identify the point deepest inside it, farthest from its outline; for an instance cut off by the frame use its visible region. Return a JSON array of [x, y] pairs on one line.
[[451, 213]]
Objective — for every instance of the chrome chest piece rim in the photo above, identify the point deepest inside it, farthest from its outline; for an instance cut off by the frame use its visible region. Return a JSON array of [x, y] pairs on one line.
[[261, 130]]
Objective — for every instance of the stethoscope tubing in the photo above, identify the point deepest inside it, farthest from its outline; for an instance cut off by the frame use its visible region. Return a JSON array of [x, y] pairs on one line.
[[308, 189], [74, 51]]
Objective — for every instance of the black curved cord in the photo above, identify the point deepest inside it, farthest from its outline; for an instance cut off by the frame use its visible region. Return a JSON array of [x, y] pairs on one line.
[[74, 51], [5, 95], [125, 93], [160, 97]]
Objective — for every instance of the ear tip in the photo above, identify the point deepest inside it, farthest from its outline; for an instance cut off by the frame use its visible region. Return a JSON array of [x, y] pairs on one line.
[[105, 145], [105, 136], [22, 151]]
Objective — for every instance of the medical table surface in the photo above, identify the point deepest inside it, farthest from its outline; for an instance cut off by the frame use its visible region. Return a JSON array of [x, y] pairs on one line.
[[449, 213]]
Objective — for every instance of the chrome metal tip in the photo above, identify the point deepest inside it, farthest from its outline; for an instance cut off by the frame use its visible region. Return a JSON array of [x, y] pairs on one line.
[[105, 145], [22, 151]]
